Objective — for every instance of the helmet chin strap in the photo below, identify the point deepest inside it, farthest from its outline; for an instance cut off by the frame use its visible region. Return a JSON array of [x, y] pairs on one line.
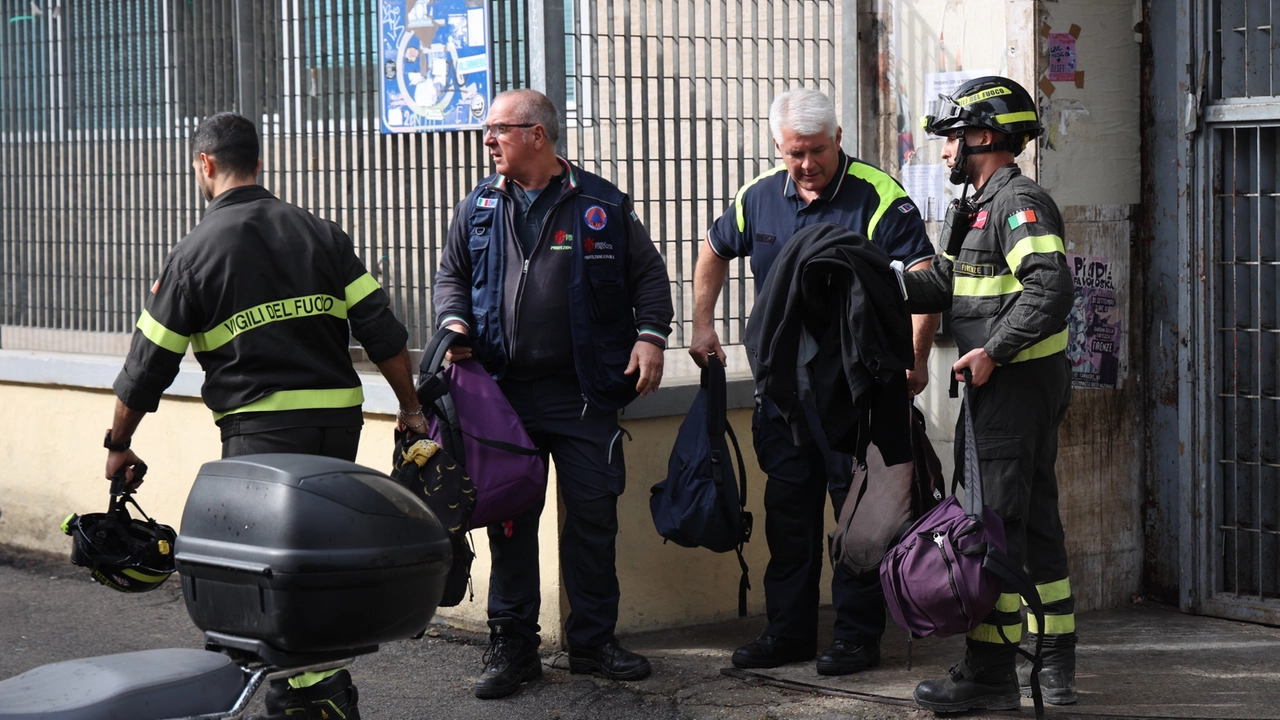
[[960, 171]]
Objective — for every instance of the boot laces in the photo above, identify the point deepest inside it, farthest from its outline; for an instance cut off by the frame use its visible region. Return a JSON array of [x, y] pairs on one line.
[[501, 648]]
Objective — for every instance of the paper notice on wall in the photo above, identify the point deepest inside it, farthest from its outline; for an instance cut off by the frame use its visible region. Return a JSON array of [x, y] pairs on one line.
[[946, 83], [1062, 57], [1095, 326], [927, 186]]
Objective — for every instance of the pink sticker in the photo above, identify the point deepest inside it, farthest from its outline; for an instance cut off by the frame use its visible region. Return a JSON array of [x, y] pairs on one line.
[[1062, 57]]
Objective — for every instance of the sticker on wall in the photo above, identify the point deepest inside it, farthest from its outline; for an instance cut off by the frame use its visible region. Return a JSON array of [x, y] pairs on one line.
[[1095, 325]]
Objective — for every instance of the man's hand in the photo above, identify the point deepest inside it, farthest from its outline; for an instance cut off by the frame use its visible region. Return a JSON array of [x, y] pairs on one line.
[[917, 380], [979, 363], [705, 341], [458, 352], [119, 460], [647, 358]]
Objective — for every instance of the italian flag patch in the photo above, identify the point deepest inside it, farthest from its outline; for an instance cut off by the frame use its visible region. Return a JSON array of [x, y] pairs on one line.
[[1020, 218]]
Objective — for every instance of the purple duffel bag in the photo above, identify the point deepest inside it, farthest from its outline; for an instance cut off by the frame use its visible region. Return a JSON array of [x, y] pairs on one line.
[[933, 578], [472, 420]]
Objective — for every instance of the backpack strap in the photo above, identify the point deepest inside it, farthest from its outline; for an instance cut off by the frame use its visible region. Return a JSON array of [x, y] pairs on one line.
[[713, 380], [973, 495], [998, 563], [433, 391]]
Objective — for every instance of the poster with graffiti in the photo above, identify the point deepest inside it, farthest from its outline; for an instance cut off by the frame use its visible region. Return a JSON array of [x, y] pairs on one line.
[[435, 64], [1095, 325]]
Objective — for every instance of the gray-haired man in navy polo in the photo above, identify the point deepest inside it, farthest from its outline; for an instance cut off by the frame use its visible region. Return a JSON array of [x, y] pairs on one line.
[[817, 183]]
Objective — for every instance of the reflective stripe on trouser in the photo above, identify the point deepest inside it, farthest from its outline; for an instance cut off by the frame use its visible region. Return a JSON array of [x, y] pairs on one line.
[[1004, 624], [1059, 609], [1016, 418], [311, 678]]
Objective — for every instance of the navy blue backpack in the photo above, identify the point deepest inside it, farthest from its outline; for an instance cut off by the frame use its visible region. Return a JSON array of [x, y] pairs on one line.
[[700, 504]]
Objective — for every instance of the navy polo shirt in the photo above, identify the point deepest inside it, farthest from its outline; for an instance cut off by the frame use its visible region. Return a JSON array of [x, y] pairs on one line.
[[768, 210]]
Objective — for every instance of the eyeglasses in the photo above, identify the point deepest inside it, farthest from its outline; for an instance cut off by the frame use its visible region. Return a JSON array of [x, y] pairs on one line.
[[502, 128]]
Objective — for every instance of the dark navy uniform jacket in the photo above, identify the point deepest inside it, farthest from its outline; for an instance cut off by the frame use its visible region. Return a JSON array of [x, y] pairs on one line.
[[863, 198], [268, 296]]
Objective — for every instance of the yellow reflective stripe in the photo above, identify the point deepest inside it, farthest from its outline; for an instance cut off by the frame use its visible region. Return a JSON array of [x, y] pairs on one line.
[[1015, 117], [1009, 602], [1053, 344], [360, 289], [160, 335], [1055, 591], [301, 400], [1033, 244], [306, 680], [991, 634], [1053, 624], [969, 286], [286, 309], [737, 199], [144, 577], [949, 256], [888, 190]]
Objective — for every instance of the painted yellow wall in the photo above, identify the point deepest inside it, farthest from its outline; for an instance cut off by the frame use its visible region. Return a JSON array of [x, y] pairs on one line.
[[51, 445]]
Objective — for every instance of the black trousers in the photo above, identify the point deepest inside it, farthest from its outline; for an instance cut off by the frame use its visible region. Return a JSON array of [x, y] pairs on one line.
[[1016, 416], [799, 480], [337, 442], [586, 445]]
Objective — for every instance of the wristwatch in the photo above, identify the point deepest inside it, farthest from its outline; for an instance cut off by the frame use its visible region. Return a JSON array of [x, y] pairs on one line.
[[115, 446]]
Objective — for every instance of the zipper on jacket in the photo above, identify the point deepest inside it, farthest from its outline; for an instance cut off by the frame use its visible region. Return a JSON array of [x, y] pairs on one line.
[[524, 272]]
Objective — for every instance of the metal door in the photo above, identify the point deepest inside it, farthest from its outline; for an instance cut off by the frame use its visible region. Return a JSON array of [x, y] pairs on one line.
[[1240, 184]]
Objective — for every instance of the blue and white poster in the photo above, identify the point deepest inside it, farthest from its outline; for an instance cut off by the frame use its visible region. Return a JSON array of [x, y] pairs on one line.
[[435, 64]]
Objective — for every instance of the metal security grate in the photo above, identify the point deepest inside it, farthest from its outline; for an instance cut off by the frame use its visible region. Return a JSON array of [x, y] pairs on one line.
[[1246, 48], [672, 102], [98, 99], [1246, 356]]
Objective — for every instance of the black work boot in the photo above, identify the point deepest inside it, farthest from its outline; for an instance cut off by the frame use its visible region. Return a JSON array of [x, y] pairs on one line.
[[771, 651], [846, 657], [610, 660], [985, 679], [333, 698], [1058, 672], [281, 703], [510, 660]]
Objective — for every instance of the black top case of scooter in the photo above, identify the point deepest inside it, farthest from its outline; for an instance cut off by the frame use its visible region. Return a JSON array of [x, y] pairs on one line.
[[300, 558]]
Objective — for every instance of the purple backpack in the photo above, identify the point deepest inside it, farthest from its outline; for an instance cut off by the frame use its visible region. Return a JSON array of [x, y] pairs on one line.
[[946, 573], [472, 420]]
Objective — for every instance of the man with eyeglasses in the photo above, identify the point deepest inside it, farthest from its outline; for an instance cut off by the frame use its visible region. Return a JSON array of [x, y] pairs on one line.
[[567, 303]]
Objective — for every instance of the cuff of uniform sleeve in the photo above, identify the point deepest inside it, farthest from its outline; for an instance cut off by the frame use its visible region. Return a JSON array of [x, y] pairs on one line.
[[1001, 358], [653, 336], [448, 320], [134, 395]]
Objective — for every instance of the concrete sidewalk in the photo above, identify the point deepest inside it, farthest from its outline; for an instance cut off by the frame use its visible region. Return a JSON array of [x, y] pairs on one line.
[[1136, 662]]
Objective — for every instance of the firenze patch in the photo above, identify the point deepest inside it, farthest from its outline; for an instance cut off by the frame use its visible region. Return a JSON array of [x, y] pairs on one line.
[[596, 218], [487, 202], [965, 268]]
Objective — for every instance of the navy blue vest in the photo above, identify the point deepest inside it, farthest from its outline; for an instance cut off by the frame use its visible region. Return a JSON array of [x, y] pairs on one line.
[[601, 317]]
